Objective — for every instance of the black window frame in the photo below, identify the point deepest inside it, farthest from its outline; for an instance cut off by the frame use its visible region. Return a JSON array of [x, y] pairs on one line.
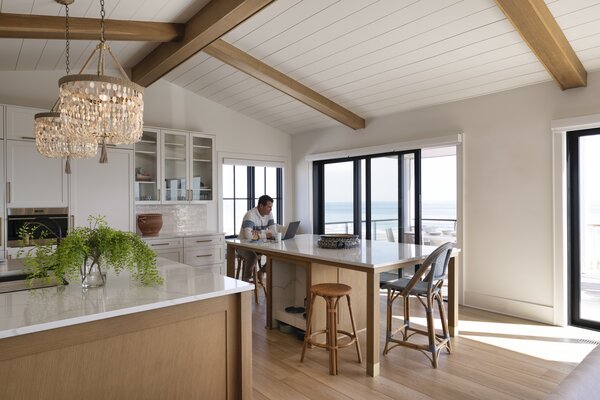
[[319, 191], [251, 195], [574, 230]]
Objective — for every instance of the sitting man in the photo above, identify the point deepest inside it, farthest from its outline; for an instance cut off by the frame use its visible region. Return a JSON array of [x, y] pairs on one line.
[[256, 220]]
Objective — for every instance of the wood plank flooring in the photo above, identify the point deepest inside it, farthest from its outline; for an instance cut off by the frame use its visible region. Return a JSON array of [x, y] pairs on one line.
[[494, 357]]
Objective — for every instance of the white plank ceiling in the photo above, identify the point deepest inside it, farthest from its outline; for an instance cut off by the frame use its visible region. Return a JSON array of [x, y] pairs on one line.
[[374, 57]]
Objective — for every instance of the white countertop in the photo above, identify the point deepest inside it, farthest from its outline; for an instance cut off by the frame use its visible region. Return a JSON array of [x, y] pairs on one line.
[[171, 235], [42, 309], [369, 254]]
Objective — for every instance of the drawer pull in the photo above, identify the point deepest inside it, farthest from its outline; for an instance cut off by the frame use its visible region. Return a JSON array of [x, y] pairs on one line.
[[204, 255], [203, 241], [159, 244]]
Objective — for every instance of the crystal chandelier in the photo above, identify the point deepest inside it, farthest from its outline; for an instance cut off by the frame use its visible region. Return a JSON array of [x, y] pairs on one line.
[[50, 138], [110, 108]]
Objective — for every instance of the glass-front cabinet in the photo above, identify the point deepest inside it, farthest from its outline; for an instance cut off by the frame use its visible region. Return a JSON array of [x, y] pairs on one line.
[[147, 167], [174, 167], [201, 168]]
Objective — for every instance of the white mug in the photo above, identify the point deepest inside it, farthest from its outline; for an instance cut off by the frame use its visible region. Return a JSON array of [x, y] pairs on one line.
[[278, 237]]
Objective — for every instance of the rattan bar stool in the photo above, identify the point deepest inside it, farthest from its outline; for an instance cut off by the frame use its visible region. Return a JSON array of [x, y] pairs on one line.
[[256, 275], [332, 293]]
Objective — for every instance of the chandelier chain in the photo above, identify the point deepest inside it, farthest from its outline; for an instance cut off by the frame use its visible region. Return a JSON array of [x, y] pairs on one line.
[[67, 37], [102, 14]]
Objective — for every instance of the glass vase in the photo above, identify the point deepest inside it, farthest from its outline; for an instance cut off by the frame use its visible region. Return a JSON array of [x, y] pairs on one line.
[[92, 276]]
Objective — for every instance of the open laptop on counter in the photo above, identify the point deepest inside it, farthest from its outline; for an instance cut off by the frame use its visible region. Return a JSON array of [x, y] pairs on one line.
[[291, 230]]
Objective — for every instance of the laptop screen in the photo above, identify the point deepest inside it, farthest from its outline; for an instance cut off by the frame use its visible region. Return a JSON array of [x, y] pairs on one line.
[[291, 230]]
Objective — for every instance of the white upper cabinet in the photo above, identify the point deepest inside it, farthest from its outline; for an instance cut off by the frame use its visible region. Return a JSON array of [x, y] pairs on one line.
[[174, 167], [20, 122], [104, 189], [33, 180]]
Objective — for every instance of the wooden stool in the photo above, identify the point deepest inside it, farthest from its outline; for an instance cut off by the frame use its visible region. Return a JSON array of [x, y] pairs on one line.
[[331, 292], [256, 275]]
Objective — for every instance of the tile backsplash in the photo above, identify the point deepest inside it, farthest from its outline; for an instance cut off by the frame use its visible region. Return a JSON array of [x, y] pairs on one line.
[[179, 218]]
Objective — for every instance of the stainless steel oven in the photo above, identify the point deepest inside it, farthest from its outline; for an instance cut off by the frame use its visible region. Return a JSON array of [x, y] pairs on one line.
[[54, 221]]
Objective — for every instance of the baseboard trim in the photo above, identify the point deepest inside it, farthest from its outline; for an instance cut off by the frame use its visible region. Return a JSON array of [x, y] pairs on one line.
[[515, 308]]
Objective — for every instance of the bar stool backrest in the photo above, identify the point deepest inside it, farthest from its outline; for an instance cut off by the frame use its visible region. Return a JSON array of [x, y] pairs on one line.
[[435, 268]]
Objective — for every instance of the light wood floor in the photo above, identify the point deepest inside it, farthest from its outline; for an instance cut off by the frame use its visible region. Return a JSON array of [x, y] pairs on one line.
[[494, 357]]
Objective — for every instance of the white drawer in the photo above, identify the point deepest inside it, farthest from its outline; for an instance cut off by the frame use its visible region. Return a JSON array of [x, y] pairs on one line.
[[208, 240], [215, 268], [203, 255], [157, 244]]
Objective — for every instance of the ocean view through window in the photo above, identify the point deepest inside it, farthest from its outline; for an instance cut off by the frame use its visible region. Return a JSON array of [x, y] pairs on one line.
[[375, 195]]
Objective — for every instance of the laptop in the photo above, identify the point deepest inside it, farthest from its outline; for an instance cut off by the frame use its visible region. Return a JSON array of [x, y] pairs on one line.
[[291, 230]]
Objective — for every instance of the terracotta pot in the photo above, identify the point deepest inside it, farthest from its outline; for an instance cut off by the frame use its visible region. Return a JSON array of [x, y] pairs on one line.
[[149, 224]]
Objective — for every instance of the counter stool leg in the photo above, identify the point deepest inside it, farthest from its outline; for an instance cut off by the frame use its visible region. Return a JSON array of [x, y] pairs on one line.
[[308, 326], [332, 334], [354, 330]]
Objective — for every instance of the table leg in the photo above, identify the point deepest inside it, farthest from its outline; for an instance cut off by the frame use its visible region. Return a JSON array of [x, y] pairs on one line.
[[372, 324], [269, 300], [231, 261], [453, 296]]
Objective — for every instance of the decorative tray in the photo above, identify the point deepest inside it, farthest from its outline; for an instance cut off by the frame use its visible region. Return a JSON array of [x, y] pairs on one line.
[[338, 241]]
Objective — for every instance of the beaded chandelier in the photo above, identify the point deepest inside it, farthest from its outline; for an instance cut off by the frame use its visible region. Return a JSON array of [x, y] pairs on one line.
[[109, 108], [50, 138]]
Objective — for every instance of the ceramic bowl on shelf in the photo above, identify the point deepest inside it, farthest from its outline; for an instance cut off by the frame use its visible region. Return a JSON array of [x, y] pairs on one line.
[[149, 224], [338, 241]]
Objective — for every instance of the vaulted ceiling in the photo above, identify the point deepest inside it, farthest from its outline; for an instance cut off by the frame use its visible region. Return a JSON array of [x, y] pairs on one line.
[[353, 60]]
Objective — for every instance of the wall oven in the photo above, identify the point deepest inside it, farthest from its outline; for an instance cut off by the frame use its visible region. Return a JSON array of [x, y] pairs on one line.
[[55, 221]]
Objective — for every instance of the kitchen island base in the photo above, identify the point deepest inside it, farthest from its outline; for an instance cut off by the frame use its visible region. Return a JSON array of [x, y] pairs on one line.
[[200, 349]]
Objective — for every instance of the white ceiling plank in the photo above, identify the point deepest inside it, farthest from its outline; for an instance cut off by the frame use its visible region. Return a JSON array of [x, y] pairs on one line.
[[10, 50], [219, 74], [247, 94], [462, 75], [405, 40], [18, 6], [29, 54], [371, 13], [429, 91], [451, 47], [564, 7], [50, 55], [242, 82], [198, 72], [267, 14], [268, 99], [186, 67], [313, 22], [411, 21], [218, 85], [281, 23]]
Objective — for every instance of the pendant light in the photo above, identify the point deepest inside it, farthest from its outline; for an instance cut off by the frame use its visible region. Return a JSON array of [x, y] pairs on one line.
[[110, 108], [50, 138]]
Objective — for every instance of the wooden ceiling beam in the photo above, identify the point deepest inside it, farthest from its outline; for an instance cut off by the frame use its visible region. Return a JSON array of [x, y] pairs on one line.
[[244, 62], [210, 23], [534, 21], [21, 26]]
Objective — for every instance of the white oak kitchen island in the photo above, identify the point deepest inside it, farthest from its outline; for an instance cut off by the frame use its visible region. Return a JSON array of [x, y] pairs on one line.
[[188, 338]]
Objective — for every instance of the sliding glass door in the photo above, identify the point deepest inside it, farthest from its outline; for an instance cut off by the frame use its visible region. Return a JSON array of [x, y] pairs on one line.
[[375, 196], [583, 204]]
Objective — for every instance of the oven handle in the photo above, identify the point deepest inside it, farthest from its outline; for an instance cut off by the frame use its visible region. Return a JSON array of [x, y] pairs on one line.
[[33, 217]]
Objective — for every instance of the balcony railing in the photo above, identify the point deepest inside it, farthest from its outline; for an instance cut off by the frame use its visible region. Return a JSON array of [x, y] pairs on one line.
[[379, 226]]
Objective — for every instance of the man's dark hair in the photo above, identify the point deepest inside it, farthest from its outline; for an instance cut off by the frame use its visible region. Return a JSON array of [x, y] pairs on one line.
[[264, 199]]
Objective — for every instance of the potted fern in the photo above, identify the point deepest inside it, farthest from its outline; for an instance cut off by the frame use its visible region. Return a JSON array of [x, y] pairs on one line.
[[89, 251]]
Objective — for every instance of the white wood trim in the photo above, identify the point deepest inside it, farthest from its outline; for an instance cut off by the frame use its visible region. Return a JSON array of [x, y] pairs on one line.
[[535, 312], [439, 141], [575, 123]]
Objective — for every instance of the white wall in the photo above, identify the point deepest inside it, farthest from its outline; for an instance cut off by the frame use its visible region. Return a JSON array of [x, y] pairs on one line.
[[167, 106], [508, 200]]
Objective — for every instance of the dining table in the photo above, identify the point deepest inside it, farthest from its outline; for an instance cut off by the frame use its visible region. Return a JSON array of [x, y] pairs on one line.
[[365, 262]]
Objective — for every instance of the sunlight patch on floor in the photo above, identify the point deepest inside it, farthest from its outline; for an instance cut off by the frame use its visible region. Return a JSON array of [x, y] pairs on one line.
[[553, 343]]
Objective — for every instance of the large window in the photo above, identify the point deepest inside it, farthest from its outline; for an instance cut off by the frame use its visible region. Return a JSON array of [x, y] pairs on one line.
[[242, 186], [373, 196], [407, 196]]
